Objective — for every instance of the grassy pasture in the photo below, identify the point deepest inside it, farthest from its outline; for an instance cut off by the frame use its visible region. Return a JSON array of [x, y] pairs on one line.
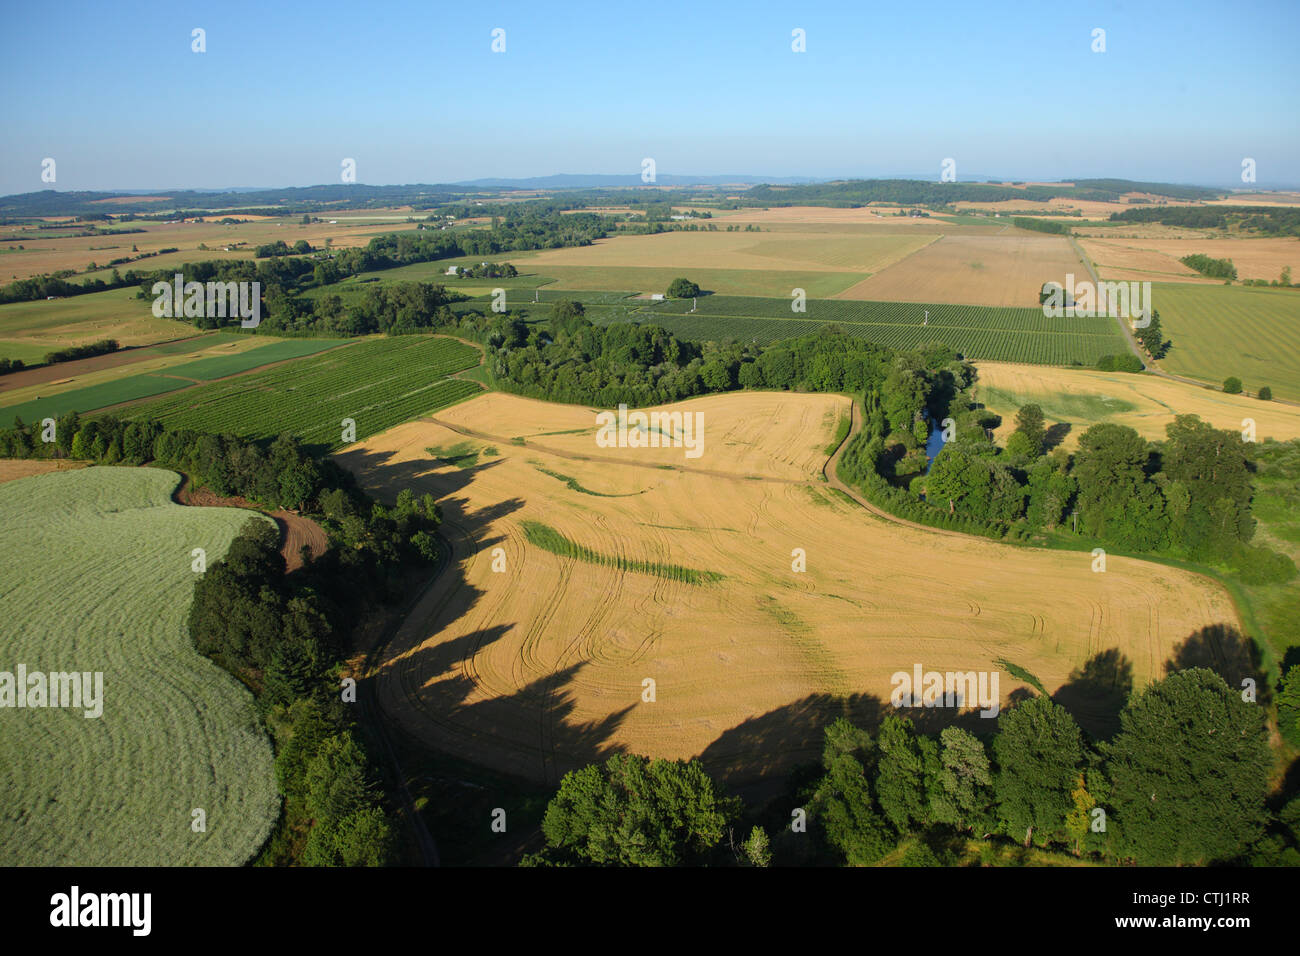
[[1218, 330], [97, 570], [49, 324], [770, 282], [221, 366]]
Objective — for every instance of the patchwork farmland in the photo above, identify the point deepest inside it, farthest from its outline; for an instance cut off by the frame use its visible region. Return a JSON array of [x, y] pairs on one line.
[[376, 382]]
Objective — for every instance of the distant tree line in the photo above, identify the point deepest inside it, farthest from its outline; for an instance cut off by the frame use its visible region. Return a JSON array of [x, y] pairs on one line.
[[102, 347], [1267, 220], [488, 270], [912, 192], [282, 248], [1041, 225], [1206, 266]]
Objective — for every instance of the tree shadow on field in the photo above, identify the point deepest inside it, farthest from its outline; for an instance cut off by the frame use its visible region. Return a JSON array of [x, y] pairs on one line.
[[440, 687], [1096, 692], [1227, 652], [1054, 435], [765, 756], [383, 476]]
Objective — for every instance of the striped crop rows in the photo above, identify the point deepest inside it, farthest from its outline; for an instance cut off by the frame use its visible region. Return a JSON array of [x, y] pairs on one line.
[[978, 332], [377, 383]]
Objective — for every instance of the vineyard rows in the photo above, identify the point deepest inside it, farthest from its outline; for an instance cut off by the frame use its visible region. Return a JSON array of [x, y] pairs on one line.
[[376, 382], [889, 313]]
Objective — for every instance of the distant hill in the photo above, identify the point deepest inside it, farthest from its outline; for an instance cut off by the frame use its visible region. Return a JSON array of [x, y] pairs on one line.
[[859, 192], [770, 192], [600, 181], [290, 199]]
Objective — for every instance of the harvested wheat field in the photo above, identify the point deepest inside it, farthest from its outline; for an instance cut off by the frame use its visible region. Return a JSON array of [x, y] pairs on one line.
[[811, 251], [14, 468], [1081, 398], [1158, 259], [1005, 270], [618, 565]]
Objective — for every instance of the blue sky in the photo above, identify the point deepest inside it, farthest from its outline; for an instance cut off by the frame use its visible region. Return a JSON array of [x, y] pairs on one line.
[[414, 93]]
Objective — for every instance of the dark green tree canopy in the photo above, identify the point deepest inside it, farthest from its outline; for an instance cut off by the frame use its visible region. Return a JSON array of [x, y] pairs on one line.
[[1189, 772]]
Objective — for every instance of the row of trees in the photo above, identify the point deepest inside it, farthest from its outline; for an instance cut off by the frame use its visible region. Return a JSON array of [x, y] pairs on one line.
[[570, 359], [1184, 781], [1268, 220], [1188, 496], [1207, 266]]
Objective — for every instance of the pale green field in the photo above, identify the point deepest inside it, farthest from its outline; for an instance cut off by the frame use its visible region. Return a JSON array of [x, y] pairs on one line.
[[30, 353], [1217, 331], [97, 577], [50, 324], [816, 285]]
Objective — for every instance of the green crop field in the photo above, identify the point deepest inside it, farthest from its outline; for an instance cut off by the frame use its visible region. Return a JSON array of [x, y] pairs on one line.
[[87, 399], [201, 340], [221, 366], [978, 332], [377, 382], [1218, 331], [748, 282], [29, 353], [97, 572]]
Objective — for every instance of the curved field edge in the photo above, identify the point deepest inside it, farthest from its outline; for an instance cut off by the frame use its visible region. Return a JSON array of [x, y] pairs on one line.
[[1243, 607], [462, 689], [99, 569]]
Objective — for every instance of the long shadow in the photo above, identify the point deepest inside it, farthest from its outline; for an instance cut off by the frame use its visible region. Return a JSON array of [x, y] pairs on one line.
[[1096, 692], [441, 690], [1224, 650], [760, 757], [1054, 435]]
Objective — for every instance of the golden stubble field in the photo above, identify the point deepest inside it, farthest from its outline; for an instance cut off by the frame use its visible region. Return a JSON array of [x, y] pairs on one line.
[[1158, 259], [539, 666], [44, 253], [811, 251], [997, 270], [1146, 403]]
